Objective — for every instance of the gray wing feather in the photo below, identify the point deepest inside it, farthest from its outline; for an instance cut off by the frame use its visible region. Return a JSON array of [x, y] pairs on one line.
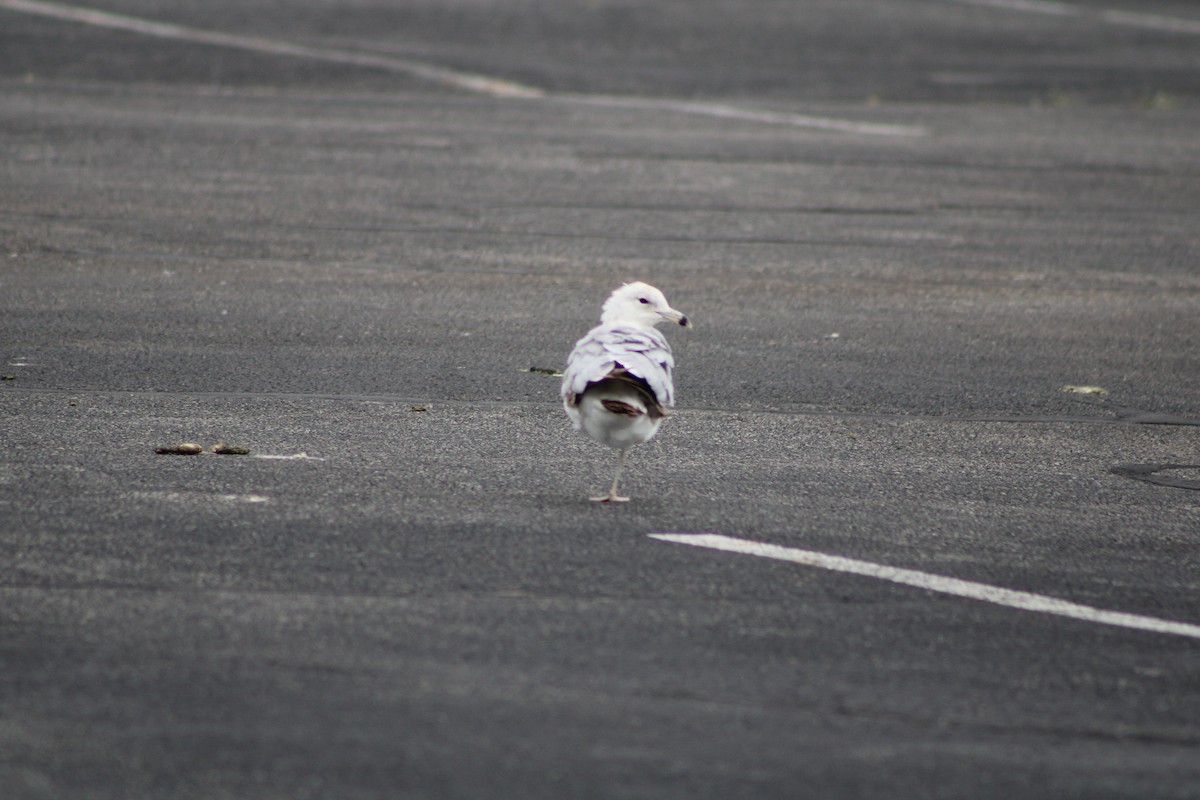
[[642, 351]]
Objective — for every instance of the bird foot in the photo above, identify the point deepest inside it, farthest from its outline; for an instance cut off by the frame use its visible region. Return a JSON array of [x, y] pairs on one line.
[[609, 498]]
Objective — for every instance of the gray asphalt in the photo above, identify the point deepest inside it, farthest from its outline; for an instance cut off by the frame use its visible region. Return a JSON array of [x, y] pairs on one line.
[[357, 267]]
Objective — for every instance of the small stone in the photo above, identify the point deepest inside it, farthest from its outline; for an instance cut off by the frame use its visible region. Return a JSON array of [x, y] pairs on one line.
[[183, 449]]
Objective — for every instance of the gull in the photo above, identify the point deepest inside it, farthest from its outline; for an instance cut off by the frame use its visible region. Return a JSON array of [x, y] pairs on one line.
[[617, 385]]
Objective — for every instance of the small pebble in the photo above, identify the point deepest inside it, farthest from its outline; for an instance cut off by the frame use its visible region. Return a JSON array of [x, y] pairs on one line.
[[184, 449]]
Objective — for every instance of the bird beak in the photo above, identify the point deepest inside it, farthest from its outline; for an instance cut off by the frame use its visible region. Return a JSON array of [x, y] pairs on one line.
[[677, 316]]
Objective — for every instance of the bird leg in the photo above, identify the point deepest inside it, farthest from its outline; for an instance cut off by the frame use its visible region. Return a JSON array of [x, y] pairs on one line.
[[612, 496]]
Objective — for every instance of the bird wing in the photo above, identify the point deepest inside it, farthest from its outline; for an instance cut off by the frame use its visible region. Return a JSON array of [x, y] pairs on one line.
[[642, 352]]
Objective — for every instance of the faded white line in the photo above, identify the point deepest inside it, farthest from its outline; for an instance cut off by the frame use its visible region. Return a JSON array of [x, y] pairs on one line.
[[246, 498], [1128, 19], [722, 111], [286, 457], [1031, 6], [1026, 601], [1152, 22], [480, 84]]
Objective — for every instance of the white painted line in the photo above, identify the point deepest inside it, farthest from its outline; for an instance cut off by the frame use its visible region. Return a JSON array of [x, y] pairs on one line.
[[292, 457], [1127, 19], [1152, 22], [1030, 6], [246, 498], [103, 19], [721, 111], [480, 84], [1026, 601]]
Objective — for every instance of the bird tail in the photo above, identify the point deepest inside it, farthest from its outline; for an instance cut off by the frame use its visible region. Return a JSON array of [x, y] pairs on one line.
[[654, 409]]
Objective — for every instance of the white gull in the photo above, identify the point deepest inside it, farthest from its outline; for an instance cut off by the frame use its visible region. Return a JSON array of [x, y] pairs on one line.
[[617, 386]]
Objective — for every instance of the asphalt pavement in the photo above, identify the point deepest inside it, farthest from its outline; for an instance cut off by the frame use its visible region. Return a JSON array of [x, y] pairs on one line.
[[941, 261]]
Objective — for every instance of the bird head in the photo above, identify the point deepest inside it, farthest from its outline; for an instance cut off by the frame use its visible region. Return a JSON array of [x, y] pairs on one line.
[[642, 305]]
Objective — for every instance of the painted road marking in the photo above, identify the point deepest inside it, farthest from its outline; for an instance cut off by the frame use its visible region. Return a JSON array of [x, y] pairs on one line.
[[1127, 19], [245, 498], [722, 111], [482, 84], [1026, 601], [287, 457], [471, 82]]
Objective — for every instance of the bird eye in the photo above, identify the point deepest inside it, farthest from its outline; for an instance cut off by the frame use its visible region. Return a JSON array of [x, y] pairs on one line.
[[643, 300]]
